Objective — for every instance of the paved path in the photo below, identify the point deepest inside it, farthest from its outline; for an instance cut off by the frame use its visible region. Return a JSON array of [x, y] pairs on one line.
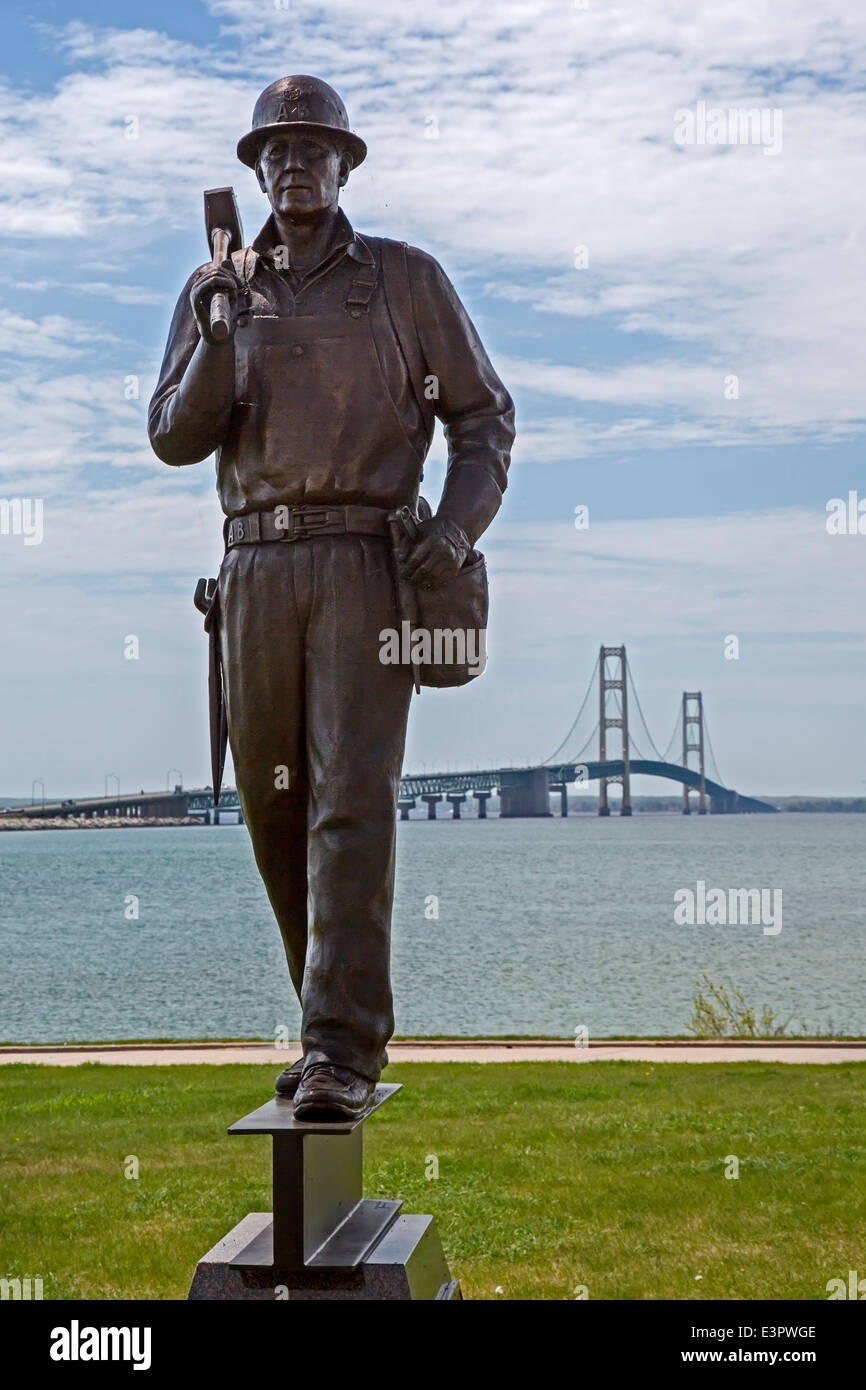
[[149, 1054]]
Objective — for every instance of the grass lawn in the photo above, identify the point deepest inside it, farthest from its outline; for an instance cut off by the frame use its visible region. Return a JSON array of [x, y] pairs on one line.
[[550, 1175]]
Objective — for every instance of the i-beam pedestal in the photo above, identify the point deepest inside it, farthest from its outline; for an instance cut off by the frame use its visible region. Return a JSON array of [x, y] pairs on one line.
[[323, 1239]]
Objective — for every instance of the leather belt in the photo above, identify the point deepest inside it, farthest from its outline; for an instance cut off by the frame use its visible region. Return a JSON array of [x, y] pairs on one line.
[[301, 523]]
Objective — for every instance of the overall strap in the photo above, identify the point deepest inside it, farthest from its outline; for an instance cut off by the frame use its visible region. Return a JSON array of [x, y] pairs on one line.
[[244, 263], [398, 296], [361, 290]]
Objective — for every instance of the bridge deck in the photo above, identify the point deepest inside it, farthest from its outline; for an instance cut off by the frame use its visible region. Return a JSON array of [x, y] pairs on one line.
[[566, 773], [99, 805], [200, 799]]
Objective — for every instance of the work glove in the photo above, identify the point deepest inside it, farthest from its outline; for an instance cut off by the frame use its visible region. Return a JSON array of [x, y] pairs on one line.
[[206, 282], [437, 553]]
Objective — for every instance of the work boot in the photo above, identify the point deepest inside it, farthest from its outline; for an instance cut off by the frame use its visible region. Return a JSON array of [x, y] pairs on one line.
[[289, 1079], [328, 1092]]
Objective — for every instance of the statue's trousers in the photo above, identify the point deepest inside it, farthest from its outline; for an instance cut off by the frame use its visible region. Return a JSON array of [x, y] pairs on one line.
[[317, 721]]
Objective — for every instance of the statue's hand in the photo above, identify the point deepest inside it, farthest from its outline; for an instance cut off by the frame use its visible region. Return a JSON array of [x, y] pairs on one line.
[[207, 282], [437, 554]]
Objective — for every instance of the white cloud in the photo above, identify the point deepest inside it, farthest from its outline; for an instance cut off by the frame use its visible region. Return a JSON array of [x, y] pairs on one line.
[[62, 425], [555, 129], [99, 289], [51, 336]]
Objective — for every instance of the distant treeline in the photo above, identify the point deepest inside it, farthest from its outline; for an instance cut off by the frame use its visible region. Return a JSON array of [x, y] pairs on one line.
[[819, 803], [784, 803]]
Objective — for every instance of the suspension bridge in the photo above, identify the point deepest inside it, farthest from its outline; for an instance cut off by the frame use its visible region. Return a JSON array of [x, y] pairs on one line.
[[527, 791], [522, 791]]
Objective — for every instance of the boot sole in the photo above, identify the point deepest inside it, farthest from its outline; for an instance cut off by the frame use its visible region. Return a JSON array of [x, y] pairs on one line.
[[324, 1110]]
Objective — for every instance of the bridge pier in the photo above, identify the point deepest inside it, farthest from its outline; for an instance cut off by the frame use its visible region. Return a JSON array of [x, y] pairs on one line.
[[562, 788], [481, 798], [456, 799], [431, 798], [524, 792], [404, 807]]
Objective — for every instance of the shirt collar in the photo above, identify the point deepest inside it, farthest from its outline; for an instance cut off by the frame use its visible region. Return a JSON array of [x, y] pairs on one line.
[[344, 238]]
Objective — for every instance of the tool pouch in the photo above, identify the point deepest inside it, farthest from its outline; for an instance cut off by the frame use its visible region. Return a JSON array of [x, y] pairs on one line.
[[447, 626]]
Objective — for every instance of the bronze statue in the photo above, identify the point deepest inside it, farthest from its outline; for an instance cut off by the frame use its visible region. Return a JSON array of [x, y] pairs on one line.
[[316, 380]]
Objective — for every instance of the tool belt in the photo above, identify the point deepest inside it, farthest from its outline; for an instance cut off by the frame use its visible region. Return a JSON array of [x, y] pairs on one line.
[[442, 631], [300, 523]]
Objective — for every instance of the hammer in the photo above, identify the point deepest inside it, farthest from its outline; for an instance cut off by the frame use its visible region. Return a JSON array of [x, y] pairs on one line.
[[222, 223]]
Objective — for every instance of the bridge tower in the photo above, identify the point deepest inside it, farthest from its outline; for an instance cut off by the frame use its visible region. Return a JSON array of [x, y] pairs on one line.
[[608, 686], [693, 718]]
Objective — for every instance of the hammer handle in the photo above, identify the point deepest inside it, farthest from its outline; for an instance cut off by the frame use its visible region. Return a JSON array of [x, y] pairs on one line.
[[220, 312]]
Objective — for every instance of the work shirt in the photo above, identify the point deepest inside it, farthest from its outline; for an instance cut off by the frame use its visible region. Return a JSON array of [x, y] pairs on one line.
[[472, 403]]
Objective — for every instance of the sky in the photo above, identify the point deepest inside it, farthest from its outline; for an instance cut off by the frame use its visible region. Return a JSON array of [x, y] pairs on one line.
[[680, 322]]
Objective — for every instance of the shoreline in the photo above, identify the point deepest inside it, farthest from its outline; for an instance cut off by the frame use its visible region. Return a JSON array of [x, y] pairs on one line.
[[94, 822]]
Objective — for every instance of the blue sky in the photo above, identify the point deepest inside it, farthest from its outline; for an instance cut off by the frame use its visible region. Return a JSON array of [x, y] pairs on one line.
[[554, 129]]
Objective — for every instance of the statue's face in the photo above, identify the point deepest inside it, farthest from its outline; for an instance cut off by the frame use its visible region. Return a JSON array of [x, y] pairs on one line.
[[302, 173]]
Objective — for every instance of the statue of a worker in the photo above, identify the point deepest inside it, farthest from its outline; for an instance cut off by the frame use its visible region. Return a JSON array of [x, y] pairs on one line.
[[320, 404]]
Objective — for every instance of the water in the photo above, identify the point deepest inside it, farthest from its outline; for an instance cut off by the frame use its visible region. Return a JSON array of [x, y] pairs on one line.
[[543, 926]]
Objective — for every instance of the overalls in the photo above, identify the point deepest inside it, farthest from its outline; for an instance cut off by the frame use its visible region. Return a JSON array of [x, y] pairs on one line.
[[317, 723]]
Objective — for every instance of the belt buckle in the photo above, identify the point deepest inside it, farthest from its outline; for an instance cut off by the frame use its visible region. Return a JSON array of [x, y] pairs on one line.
[[310, 519]]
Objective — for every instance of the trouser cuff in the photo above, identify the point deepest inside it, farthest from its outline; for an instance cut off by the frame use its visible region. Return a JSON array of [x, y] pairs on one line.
[[345, 1057]]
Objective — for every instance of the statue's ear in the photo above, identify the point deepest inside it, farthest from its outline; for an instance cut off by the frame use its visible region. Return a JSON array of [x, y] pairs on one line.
[[260, 176], [345, 169]]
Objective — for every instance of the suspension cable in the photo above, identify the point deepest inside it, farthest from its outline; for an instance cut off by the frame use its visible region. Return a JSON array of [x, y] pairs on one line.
[[672, 740], [578, 756], [633, 744], [640, 712], [558, 750], [712, 754]]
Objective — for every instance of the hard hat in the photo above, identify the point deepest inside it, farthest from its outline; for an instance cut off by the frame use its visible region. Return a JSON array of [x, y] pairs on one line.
[[293, 103]]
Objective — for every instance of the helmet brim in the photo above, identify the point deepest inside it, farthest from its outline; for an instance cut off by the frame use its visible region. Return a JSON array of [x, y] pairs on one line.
[[250, 144]]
